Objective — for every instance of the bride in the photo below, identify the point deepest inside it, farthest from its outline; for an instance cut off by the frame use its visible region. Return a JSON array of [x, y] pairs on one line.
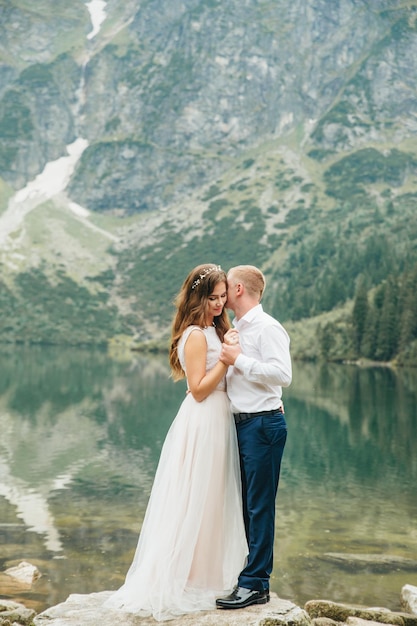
[[192, 544]]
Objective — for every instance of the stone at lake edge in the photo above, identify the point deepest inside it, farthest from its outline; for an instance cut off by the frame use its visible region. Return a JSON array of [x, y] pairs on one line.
[[409, 598], [340, 612], [15, 613], [373, 562], [88, 610], [25, 573]]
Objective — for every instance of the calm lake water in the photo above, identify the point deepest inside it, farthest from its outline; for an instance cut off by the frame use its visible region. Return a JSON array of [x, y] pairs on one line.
[[80, 437]]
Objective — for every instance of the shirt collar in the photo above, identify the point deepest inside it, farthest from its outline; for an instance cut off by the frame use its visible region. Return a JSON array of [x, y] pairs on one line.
[[248, 317]]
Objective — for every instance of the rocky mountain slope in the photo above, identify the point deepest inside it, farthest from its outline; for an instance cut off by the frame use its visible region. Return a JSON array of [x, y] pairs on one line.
[[164, 134]]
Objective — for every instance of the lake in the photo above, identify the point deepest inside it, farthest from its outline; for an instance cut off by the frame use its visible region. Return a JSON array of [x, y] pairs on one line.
[[80, 437]]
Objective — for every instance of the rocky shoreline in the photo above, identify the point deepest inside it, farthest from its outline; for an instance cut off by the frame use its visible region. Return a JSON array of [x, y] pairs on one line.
[[89, 610]]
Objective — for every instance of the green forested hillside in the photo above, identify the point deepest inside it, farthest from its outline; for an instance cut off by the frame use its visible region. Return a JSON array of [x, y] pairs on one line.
[[384, 322], [278, 134], [315, 259], [64, 312]]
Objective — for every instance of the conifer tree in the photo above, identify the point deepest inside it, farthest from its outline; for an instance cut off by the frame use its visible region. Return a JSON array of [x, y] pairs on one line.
[[408, 330], [359, 314], [370, 333], [388, 331], [326, 339]]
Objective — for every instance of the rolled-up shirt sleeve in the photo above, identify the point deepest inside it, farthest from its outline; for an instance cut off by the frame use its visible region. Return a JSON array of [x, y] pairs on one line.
[[273, 367]]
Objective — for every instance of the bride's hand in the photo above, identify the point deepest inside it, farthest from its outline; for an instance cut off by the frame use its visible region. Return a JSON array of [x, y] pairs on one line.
[[232, 337]]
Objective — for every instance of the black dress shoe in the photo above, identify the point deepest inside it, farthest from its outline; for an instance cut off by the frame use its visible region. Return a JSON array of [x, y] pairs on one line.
[[241, 597]]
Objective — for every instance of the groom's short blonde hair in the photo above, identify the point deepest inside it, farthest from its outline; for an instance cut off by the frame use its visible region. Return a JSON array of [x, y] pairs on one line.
[[251, 277]]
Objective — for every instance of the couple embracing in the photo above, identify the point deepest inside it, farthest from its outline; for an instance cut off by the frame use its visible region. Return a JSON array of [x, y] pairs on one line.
[[208, 533]]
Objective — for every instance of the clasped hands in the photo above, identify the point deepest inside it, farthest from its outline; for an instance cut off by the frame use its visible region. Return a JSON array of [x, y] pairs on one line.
[[230, 347]]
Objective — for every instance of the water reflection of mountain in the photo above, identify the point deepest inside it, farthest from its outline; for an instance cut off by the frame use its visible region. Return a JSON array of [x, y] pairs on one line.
[[371, 412], [80, 439], [71, 419]]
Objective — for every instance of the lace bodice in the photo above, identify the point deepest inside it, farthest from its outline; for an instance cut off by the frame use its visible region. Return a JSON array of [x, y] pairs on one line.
[[213, 349]]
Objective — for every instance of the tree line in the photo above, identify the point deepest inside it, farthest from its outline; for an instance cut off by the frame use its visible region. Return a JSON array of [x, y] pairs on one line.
[[384, 320]]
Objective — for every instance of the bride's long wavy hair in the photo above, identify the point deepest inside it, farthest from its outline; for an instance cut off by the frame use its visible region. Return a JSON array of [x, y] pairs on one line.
[[191, 305]]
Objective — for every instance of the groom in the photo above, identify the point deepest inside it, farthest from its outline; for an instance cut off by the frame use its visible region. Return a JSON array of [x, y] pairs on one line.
[[260, 365]]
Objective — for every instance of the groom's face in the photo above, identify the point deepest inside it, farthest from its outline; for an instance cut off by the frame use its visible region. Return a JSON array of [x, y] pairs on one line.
[[231, 291]]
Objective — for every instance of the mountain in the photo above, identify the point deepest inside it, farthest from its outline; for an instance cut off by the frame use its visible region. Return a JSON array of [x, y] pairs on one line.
[[141, 138]]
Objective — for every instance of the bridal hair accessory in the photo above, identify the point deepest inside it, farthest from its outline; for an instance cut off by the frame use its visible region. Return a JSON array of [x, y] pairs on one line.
[[207, 271]]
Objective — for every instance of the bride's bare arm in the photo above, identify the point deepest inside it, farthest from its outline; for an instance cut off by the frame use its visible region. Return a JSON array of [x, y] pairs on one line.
[[200, 382]]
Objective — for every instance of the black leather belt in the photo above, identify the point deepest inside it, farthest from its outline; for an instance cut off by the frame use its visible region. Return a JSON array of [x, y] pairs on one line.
[[242, 417]]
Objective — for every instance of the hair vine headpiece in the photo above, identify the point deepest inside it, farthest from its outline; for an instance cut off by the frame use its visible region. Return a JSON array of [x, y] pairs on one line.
[[207, 271]]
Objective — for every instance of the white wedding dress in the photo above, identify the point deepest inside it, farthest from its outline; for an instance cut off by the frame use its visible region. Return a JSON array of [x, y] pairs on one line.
[[192, 544]]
